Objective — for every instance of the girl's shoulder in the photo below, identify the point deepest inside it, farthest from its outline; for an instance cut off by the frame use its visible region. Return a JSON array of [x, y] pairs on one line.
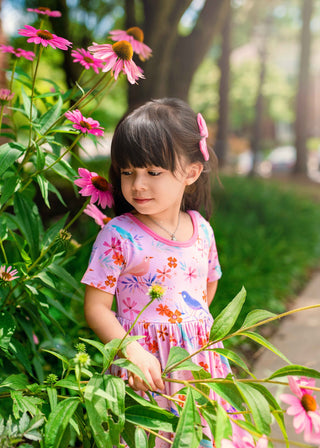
[[119, 224], [201, 223]]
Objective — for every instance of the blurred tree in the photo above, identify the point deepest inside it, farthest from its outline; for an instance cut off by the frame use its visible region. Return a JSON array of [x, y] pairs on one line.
[[303, 96], [221, 145]]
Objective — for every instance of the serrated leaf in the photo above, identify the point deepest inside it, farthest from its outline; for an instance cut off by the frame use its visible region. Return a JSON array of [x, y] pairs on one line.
[[295, 370], [58, 421], [262, 341], [224, 322], [15, 382], [256, 316]]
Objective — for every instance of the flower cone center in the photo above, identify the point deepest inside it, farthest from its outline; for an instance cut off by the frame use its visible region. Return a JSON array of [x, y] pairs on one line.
[[136, 32], [88, 59], [100, 183], [44, 9], [123, 50], [85, 124], [308, 402], [6, 276], [44, 34]]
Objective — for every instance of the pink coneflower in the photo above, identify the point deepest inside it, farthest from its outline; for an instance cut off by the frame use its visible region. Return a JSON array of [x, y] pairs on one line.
[[44, 37], [135, 36], [100, 218], [8, 274], [83, 124], [244, 442], [6, 95], [19, 52], [45, 11], [118, 58], [86, 59], [304, 408], [95, 186]]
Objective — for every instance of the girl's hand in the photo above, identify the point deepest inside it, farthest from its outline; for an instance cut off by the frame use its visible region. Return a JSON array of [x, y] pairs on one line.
[[149, 365]]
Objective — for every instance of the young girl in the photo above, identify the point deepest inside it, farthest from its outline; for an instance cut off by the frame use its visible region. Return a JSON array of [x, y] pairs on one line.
[[160, 168]]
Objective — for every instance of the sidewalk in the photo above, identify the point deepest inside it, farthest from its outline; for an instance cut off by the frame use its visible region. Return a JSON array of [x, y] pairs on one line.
[[298, 338]]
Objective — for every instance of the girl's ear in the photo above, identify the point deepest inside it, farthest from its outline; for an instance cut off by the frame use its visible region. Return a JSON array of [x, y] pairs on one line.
[[194, 171]]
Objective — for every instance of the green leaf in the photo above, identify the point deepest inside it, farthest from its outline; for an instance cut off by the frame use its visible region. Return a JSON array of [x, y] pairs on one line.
[[29, 222], [152, 418], [233, 357], [23, 403], [140, 438], [44, 188], [224, 322], [295, 370], [7, 328], [58, 421], [51, 116], [256, 316], [189, 430], [9, 186], [228, 391], [60, 272], [19, 381], [62, 167], [262, 341], [27, 105], [106, 417], [21, 354], [126, 364], [223, 427], [177, 355], [68, 384], [8, 155], [258, 406], [62, 358]]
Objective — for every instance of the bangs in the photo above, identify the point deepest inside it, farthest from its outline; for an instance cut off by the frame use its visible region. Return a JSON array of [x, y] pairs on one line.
[[141, 142]]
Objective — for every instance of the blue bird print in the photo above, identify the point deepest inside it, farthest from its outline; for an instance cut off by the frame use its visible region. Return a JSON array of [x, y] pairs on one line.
[[193, 303], [206, 232], [127, 236]]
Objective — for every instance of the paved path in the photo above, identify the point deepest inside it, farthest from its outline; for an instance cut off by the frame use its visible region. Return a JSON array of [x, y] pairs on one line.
[[298, 338]]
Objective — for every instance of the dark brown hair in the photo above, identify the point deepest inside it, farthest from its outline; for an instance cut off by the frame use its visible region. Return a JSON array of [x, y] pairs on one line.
[[161, 133]]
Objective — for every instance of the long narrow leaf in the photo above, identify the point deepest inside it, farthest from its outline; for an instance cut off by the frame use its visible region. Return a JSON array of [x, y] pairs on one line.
[[295, 370], [262, 341], [224, 322], [58, 421], [189, 430]]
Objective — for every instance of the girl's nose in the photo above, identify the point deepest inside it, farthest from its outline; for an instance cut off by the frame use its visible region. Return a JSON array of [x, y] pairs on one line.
[[138, 182]]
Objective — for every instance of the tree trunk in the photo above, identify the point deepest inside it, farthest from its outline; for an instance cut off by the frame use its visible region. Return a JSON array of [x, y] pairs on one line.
[[221, 144], [175, 58], [303, 95]]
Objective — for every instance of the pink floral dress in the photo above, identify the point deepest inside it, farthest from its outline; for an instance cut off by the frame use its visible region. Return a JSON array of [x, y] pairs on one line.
[[128, 258]]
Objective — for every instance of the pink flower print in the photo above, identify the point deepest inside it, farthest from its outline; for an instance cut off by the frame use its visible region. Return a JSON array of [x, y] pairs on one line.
[[162, 275], [191, 274], [304, 408], [130, 307], [115, 246]]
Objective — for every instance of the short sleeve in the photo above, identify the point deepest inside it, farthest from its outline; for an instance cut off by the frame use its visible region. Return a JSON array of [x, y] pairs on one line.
[[106, 261], [214, 269]]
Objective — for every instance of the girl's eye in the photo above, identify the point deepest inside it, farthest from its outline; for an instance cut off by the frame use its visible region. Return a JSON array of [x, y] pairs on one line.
[[154, 173], [126, 173]]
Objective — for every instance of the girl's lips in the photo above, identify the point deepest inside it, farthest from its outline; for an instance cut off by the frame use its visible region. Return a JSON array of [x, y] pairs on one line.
[[141, 200]]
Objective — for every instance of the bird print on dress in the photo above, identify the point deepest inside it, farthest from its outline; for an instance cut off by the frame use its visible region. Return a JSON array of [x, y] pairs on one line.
[[193, 303], [127, 236], [141, 269]]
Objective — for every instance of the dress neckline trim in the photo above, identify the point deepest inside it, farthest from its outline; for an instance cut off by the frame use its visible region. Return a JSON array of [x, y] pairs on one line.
[[167, 241]]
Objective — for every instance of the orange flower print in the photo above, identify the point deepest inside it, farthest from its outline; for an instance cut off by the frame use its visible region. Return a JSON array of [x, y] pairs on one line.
[[163, 310], [175, 317], [153, 346], [111, 281], [162, 275], [182, 398], [204, 365], [172, 262], [163, 332], [118, 258], [173, 340]]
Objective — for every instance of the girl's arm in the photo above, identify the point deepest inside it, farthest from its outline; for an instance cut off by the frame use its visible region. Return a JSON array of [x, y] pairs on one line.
[[100, 318], [211, 291]]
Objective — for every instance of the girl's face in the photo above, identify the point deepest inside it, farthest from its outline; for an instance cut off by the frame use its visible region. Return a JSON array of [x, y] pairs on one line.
[[156, 191]]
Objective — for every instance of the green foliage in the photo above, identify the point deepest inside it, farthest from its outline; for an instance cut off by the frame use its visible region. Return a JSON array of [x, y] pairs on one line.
[[57, 392], [267, 236]]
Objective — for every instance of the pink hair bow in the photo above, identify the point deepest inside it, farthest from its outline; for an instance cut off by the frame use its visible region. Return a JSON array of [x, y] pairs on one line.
[[204, 134]]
